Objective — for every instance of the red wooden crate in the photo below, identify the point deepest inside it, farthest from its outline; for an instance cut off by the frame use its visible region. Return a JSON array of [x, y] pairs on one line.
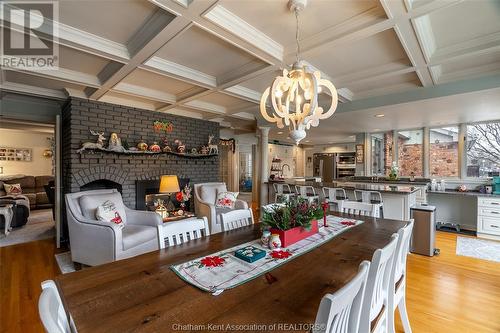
[[291, 236]]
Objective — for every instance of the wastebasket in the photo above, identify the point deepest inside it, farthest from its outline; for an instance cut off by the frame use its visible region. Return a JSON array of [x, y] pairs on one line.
[[424, 230]]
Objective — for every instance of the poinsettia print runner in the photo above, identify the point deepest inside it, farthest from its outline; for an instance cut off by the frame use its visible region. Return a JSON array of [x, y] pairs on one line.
[[222, 270]]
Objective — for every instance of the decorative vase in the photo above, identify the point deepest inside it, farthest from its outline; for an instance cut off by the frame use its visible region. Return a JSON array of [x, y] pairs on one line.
[[275, 242], [155, 147], [266, 235], [142, 146], [291, 236]]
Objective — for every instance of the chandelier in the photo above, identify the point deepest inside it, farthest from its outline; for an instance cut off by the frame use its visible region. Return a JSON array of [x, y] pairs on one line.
[[294, 95]]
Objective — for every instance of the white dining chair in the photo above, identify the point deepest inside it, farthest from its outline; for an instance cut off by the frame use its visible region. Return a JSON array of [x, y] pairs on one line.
[[335, 197], [397, 284], [178, 232], [374, 313], [236, 219], [359, 208], [282, 192], [373, 197], [51, 310], [340, 312], [307, 192]]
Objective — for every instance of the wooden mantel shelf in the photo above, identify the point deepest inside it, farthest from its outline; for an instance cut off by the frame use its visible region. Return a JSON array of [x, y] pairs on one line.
[[147, 153]]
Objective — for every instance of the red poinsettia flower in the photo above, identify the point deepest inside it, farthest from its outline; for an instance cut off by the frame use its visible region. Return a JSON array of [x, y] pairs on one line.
[[348, 223], [178, 196], [280, 254], [214, 261]]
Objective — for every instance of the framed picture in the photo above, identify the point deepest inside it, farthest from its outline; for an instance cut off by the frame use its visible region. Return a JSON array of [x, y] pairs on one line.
[[16, 154], [360, 154]]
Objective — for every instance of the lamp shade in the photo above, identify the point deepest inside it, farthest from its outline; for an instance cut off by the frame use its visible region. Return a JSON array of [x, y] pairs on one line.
[[169, 184]]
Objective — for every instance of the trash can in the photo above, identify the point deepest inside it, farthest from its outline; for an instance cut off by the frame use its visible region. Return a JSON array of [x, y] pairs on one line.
[[424, 230]]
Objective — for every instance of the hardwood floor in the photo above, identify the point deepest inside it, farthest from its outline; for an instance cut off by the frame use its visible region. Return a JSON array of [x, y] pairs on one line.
[[447, 293]]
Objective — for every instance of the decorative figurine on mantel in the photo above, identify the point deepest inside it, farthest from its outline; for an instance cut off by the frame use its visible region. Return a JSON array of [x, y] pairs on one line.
[[181, 148], [91, 145], [212, 149], [142, 146], [204, 150], [115, 143], [155, 148]]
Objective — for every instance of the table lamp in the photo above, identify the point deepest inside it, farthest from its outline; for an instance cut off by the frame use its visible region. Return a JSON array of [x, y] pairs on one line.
[[169, 184]]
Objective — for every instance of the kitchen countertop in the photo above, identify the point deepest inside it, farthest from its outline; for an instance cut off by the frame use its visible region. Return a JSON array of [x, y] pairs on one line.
[[398, 189], [382, 181], [468, 193]]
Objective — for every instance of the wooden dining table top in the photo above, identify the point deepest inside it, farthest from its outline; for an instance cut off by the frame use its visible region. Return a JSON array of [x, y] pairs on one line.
[[142, 294]]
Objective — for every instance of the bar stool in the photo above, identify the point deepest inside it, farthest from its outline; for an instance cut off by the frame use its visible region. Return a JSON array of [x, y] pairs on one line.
[[335, 197], [373, 197], [282, 192], [307, 192]]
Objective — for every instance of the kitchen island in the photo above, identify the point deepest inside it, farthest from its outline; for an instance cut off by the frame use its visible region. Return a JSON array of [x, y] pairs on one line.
[[397, 198]]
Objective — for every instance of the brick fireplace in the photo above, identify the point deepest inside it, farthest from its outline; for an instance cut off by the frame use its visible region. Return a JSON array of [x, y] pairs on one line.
[[80, 116]]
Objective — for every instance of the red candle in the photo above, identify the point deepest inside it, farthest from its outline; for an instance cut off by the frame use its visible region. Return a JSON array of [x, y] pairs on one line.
[[325, 206]]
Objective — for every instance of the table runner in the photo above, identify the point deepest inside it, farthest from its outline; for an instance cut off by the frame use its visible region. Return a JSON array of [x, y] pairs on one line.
[[222, 270]]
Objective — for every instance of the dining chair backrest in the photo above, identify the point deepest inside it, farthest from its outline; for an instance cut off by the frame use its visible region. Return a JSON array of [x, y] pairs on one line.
[[377, 285], [368, 196], [182, 231], [51, 309], [334, 193], [282, 188], [402, 251], [236, 219], [359, 208], [340, 312], [305, 190]]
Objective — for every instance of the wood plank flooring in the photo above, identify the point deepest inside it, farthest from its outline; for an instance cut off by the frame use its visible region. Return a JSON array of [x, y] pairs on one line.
[[447, 293]]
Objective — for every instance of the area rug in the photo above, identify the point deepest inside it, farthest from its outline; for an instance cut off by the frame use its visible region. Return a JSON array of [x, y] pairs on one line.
[[478, 248], [64, 262], [28, 233]]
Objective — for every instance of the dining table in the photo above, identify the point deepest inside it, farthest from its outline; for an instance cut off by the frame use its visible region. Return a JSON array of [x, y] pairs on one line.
[[143, 294]]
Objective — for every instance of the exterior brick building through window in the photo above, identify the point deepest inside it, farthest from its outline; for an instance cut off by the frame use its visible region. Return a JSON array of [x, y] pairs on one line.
[[410, 153], [443, 159]]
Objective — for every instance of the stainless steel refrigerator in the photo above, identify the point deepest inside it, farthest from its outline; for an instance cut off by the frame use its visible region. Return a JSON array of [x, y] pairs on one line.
[[324, 166]]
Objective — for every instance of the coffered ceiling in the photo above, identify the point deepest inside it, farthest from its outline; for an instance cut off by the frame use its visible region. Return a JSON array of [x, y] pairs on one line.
[[212, 59]]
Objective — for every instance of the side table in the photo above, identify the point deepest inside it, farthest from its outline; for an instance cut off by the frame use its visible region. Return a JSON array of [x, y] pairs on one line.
[[7, 213]]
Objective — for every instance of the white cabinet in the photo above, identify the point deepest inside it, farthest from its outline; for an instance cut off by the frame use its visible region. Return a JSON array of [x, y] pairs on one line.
[[488, 217]]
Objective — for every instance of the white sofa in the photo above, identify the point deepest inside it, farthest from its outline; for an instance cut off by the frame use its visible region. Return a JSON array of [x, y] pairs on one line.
[[94, 242], [205, 195]]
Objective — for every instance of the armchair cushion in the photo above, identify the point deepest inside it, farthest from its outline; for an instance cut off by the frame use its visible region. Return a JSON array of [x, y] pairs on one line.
[[208, 193], [107, 212], [134, 235], [219, 212], [226, 199], [89, 204]]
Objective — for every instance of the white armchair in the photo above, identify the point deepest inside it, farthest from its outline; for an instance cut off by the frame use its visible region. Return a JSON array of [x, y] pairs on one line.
[[95, 242], [205, 195]]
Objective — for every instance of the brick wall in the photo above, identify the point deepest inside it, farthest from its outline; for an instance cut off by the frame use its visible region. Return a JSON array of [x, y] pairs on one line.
[[132, 124], [410, 159], [444, 159]]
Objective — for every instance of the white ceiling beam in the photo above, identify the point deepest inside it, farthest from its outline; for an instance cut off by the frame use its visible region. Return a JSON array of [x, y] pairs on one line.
[[243, 73], [244, 93], [376, 73], [31, 90], [64, 75], [138, 91]]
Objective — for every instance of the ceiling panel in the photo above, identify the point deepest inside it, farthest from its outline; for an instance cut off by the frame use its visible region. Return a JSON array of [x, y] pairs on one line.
[[474, 64], [204, 52], [378, 50], [111, 19], [273, 18], [37, 81], [80, 61], [155, 81], [226, 101], [261, 82], [465, 21], [123, 99]]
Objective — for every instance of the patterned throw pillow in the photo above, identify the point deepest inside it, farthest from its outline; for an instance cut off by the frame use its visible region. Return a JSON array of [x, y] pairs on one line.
[[226, 199], [107, 212], [12, 189]]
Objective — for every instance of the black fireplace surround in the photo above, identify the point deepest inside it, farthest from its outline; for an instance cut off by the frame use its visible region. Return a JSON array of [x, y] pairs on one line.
[[150, 188]]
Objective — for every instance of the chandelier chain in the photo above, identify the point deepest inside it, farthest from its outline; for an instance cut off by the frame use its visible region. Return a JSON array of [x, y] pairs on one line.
[[297, 56]]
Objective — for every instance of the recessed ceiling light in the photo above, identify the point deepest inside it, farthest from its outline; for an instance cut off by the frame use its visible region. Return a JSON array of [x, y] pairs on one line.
[[377, 129], [380, 115], [280, 132]]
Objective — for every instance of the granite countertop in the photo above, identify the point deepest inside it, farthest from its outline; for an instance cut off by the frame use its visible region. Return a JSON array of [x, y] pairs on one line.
[[384, 181], [367, 187], [468, 193]]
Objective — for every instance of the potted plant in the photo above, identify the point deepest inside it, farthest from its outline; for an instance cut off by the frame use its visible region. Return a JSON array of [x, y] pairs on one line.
[[292, 221]]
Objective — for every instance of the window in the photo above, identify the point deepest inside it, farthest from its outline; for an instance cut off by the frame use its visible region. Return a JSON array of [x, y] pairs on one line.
[[483, 150], [443, 159], [410, 153], [381, 154]]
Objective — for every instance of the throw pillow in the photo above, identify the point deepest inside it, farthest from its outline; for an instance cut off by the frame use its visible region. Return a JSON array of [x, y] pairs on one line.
[[226, 199], [107, 212], [12, 189]]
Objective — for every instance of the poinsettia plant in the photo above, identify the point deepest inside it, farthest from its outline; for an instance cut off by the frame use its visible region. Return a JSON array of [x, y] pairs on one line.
[[294, 213]]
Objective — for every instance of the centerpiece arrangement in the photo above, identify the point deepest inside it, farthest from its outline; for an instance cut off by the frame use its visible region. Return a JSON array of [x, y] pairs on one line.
[[293, 220]]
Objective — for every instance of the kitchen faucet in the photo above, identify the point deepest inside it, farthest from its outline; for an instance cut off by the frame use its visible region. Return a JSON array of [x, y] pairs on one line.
[[283, 167]]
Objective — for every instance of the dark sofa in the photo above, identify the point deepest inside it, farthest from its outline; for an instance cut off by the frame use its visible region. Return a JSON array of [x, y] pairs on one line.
[[32, 188]]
